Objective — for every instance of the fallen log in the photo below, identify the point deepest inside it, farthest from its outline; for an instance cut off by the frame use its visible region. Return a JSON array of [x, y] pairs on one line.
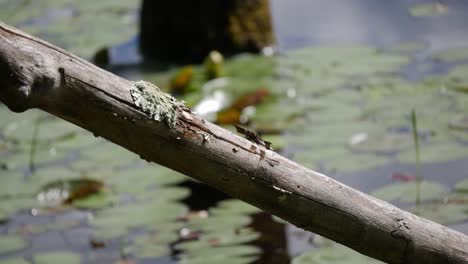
[[141, 118]]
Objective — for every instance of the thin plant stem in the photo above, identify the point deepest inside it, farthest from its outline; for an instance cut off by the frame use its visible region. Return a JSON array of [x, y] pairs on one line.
[[32, 151], [418, 157]]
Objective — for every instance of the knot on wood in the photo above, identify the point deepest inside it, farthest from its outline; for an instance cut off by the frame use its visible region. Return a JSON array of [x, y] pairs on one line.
[[24, 77]]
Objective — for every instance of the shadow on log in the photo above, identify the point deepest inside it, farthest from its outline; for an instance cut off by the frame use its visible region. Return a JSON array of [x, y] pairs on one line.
[[187, 30], [36, 74]]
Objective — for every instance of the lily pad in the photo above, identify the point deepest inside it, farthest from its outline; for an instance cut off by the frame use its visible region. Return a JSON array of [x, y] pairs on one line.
[[14, 184], [442, 213], [221, 254], [10, 206], [405, 47], [57, 257], [116, 220], [234, 207], [333, 255], [356, 162], [462, 186], [220, 223], [383, 142], [451, 55], [14, 261], [438, 152], [428, 9], [10, 243], [95, 201], [459, 122], [406, 191]]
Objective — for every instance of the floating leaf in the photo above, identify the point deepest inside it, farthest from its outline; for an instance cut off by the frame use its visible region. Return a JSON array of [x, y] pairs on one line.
[[14, 261], [383, 142], [405, 47], [10, 243], [57, 257], [355, 162], [459, 122], [428, 9], [451, 55], [438, 152], [462, 186], [442, 213], [231, 254], [406, 191], [94, 201], [333, 255], [15, 184], [11, 206], [117, 220]]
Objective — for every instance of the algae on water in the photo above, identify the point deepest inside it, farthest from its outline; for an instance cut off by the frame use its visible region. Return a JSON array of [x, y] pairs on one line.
[[159, 105]]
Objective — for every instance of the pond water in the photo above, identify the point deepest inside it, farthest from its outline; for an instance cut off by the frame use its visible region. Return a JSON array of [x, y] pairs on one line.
[[351, 82]]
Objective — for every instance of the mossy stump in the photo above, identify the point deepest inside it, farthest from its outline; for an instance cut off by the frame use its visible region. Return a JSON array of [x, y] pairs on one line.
[[188, 30]]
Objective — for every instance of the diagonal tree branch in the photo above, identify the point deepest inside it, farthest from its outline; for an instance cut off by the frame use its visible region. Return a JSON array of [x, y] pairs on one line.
[[36, 74]]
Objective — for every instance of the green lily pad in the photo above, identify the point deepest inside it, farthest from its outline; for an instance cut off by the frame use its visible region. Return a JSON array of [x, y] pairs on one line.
[[383, 142], [10, 243], [12, 205], [462, 186], [217, 254], [117, 220], [356, 162], [222, 238], [406, 191], [109, 154], [233, 207], [156, 244], [14, 184], [219, 223], [95, 26], [438, 152], [442, 213], [217, 259], [459, 122], [451, 55], [405, 47], [428, 9], [57, 257], [333, 255], [138, 180], [14, 261], [95, 201], [153, 251]]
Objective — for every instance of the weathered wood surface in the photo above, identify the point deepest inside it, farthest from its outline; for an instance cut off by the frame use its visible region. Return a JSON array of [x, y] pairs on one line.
[[35, 74]]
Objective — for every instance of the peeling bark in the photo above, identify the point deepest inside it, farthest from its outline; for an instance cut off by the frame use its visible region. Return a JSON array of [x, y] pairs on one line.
[[35, 74]]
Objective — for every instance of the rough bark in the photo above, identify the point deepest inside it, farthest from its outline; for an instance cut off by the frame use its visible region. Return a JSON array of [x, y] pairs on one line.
[[35, 74], [187, 30]]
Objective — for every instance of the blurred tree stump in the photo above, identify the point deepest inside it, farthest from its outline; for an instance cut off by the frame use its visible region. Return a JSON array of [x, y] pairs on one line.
[[188, 30]]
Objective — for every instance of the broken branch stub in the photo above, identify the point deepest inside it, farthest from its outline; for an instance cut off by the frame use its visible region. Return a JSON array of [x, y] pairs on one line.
[[140, 118]]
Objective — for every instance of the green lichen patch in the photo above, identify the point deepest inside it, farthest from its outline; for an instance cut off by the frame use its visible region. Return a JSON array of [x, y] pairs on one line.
[[159, 105]]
